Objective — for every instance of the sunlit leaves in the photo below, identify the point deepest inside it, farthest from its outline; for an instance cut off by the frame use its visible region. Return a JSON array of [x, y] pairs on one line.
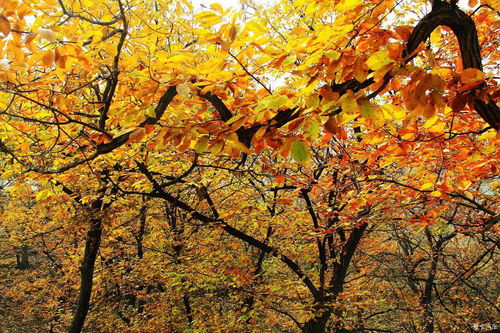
[[272, 102], [378, 60], [47, 34]]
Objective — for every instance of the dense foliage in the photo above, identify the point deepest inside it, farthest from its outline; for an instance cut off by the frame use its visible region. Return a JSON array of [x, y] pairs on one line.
[[314, 166]]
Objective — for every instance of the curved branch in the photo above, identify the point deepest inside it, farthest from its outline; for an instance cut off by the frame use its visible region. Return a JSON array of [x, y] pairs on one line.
[[292, 265], [464, 28], [108, 147]]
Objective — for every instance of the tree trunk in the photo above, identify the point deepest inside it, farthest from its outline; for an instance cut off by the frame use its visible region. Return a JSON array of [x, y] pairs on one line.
[[22, 258], [317, 324], [92, 243], [142, 229]]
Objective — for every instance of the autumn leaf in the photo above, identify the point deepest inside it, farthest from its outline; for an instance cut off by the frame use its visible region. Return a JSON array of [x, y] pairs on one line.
[[471, 75], [272, 102], [280, 179], [4, 25], [47, 34], [48, 58], [201, 144], [378, 60], [299, 151], [186, 89]]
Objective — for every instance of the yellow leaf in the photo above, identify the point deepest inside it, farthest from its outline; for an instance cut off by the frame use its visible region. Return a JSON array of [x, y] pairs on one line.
[[217, 7], [222, 76], [392, 111], [463, 184], [42, 195], [270, 102], [312, 101], [256, 28], [436, 193], [431, 121], [344, 118], [179, 58], [213, 64], [312, 128], [378, 60], [436, 36], [235, 119], [437, 128], [349, 104], [427, 186], [349, 5], [208, 19]]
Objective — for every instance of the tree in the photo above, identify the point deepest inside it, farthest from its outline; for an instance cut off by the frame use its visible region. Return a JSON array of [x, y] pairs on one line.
[[278, 143]]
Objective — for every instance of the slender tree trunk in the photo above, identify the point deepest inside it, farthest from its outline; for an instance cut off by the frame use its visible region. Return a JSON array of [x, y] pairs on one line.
[[187, 307], [92, 243], [142, 229], [22, 258]]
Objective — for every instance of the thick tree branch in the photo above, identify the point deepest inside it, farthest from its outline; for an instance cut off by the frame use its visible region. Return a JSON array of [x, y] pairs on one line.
[[464, 28]]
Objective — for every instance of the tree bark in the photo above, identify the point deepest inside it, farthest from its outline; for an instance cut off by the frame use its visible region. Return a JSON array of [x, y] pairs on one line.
[[142, 229], [22, 258], [92, 242], [317, 324]]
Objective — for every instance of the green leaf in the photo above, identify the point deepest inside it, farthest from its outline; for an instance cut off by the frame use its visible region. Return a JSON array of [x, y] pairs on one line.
[[150, 112], [366, 109], [299, 151], [349, 104], [312, 128], [201, 145]]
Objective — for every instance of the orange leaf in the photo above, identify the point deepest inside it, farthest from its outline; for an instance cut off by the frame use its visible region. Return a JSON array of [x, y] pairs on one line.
[[280, 179], [136, 135], [232, 33], [472, 3], [471, 75], [331, 125], [4, 25], [48, 58]]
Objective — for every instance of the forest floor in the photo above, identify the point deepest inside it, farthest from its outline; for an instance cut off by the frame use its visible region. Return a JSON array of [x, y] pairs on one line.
[[14, 317]]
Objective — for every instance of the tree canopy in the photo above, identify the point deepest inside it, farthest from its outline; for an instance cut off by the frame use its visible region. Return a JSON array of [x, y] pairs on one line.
[[314, 166]]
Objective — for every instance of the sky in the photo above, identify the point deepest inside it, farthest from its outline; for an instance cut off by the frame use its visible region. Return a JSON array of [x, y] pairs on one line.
[[224, 3], [236, 3]]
